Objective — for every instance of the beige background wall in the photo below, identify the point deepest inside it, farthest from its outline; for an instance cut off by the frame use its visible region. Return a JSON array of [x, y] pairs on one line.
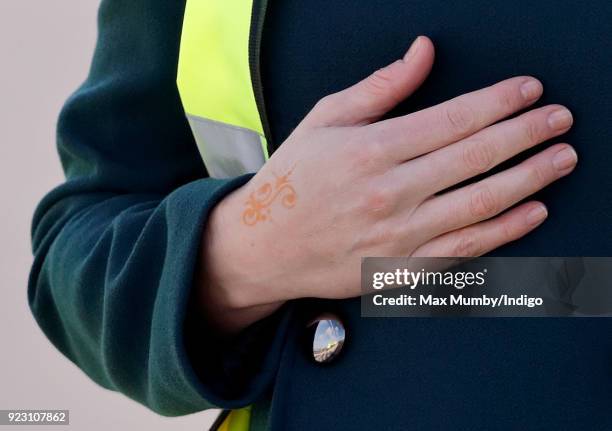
[[45, 48]]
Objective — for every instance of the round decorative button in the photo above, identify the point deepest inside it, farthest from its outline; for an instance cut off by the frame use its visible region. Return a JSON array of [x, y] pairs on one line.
[[328, 338]]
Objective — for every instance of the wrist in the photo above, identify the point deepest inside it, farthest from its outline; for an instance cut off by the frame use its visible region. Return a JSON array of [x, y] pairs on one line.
[[226, 288]]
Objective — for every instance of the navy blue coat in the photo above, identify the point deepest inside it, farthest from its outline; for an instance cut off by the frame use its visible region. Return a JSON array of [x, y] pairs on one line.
[[115, 246]]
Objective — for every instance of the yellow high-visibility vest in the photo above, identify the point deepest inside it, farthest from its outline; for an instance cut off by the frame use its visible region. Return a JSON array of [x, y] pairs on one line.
[[219, 56], [237, 420]]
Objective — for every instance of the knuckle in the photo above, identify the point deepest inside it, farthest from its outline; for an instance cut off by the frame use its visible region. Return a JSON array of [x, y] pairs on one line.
[[383, 234], [531, 131], [365, 154], [467, 245], [508, 98], [362, 155], [508, 232], [460, 117], [482, 203], [539, 175], [479, 156], [380, 237], [380, 81], [378, 200]]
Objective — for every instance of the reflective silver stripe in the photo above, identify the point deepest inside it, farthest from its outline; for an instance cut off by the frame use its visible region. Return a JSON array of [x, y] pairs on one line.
[[227, 150]]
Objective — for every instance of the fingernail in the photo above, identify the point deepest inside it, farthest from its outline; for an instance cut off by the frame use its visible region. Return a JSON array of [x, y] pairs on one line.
[[413, 49], [537, 215], [565, 159], [531, 89], [560, 119]]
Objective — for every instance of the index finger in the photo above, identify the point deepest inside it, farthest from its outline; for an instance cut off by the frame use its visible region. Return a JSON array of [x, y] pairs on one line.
[[418, 133]]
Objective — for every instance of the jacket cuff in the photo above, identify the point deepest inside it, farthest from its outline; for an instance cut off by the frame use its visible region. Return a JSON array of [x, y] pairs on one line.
[[227, 373]]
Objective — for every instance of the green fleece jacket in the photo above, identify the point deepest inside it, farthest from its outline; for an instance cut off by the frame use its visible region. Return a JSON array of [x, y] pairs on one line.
[[116, 245]]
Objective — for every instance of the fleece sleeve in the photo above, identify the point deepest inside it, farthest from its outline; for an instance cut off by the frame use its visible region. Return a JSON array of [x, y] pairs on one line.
[[116, 245]]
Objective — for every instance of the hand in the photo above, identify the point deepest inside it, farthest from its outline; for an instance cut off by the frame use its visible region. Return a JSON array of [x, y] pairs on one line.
[[345, 185]]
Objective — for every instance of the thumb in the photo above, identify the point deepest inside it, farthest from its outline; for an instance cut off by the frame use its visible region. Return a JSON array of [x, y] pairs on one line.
[[368, 100]]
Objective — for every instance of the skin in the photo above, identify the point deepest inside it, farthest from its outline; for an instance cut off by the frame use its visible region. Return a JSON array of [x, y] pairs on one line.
[[300, 226]]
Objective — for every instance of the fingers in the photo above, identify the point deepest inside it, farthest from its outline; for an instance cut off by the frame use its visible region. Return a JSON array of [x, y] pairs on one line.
[[487, 198], [483, 237], [369, 99], [418, 133], [484, 150]]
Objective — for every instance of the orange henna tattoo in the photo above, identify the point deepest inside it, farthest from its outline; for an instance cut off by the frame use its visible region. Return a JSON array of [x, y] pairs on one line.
[[260, 201]]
